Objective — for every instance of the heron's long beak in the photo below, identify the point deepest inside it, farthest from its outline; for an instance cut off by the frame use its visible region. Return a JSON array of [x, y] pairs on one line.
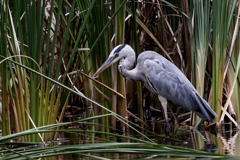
[[105, 65]]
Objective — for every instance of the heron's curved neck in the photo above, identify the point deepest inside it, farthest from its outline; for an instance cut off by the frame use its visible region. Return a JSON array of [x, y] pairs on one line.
[[129, 61], [126, 64]]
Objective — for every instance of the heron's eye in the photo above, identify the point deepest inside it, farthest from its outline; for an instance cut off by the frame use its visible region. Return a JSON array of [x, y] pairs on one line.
[[116, 55]]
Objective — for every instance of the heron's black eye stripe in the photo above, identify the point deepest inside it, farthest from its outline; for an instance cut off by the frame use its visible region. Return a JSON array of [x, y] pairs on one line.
[[119, 48]]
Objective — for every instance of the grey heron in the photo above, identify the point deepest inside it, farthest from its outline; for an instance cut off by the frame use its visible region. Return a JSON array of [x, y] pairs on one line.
[[161, 77]]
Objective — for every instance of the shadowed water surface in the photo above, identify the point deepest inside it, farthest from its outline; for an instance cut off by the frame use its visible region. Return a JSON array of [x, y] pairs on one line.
[[225, 141]]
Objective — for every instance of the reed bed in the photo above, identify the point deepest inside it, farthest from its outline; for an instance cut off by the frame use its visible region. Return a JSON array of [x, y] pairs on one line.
[[50, 49]]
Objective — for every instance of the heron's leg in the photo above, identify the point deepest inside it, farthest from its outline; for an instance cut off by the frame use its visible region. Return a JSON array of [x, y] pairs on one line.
[[164, 106]]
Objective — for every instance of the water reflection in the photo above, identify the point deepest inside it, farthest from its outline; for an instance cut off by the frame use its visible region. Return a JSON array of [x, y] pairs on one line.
[[229, 141], [225, 141]]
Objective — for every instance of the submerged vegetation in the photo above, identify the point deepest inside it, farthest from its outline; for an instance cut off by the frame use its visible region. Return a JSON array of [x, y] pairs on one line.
[[50, 49]]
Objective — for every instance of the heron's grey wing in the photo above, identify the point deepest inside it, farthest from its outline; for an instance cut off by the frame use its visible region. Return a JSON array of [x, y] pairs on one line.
[[165, 80]]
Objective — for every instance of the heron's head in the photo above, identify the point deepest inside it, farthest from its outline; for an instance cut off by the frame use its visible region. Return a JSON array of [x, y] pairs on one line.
[[116, 54]]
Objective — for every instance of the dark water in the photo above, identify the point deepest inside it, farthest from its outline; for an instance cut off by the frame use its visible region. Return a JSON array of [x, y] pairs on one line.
[[225, 141]]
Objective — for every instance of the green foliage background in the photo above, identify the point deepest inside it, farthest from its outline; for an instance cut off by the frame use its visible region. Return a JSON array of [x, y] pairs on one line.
[[44, 43]]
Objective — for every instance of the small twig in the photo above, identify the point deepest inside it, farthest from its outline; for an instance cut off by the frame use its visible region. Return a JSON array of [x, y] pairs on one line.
[[230, 117], [74, 72], [134, 116], [178, 117], [104, 95], [102, 84]]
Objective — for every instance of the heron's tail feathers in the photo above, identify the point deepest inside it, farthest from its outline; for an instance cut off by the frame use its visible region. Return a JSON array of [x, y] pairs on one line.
[[204, 110]]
